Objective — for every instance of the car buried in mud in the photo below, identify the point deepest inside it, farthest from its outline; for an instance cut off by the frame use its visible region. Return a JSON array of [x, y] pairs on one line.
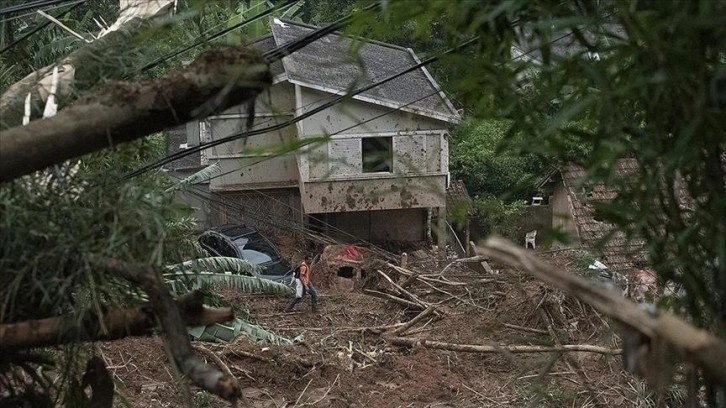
[[239, 241]]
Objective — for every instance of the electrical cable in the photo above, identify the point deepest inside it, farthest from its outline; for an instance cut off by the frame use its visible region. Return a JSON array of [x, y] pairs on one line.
[[31, 5], [216, 35], [335, 101], [40, 27]]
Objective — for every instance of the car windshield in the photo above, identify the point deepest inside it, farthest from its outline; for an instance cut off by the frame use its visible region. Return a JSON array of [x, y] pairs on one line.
[[255, 249]]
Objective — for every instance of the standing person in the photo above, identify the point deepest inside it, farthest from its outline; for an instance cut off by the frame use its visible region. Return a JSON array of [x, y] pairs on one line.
[[303, 284]]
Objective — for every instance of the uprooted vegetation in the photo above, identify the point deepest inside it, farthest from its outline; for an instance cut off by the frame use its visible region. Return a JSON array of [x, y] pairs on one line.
[[406, 337]]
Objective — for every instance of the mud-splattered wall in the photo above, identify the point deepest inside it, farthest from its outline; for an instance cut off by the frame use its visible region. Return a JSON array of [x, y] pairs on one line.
[[374, 194]]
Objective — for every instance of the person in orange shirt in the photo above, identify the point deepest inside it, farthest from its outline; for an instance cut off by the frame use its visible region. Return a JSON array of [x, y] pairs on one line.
[[303, 284]]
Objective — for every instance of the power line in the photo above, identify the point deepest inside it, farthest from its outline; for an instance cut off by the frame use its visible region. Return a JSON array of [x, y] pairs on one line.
[[216, 35], [390, 111], [335, 101], [40, 27], [31, 5]]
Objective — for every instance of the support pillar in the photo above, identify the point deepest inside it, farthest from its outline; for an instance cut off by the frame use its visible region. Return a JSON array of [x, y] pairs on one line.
[[441, 233]]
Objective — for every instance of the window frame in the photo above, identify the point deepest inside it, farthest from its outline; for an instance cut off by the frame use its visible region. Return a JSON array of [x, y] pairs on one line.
[[390, 157]]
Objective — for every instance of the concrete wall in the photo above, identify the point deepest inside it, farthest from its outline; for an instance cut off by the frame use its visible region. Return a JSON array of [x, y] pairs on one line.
[[374, 194], [562, 219], [263, 160], [536, 217], [273, 209], [379, 226]]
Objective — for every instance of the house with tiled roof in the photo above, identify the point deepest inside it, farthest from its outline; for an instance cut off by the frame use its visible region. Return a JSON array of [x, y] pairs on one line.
[[572, 203]]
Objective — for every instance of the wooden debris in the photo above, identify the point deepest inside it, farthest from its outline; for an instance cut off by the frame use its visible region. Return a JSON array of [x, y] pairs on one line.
[[402, 329], [692, 344], [472, 348], [527, 329], [392, 298]]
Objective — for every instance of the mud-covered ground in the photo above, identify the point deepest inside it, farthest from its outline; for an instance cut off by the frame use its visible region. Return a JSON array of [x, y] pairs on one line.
[[340, 364]]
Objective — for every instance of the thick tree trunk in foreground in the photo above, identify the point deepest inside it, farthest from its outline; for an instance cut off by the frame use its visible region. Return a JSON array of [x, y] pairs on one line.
[[694, 345], [115, 323], [202, 374], [126, 111]]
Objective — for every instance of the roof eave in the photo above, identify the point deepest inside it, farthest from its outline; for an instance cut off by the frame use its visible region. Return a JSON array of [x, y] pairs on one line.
[[389, 104]]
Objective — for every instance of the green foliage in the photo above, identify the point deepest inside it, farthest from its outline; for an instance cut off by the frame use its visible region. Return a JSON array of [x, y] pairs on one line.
[[477, 158], [494, 216], [223, 333], [183, 283], [641, 79], [244, 11]]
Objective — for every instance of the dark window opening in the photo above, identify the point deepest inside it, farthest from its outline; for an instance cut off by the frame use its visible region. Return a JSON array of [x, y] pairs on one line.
[[346, 272], [377, 154]]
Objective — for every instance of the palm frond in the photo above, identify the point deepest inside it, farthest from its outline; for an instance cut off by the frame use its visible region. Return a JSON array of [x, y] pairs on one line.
[[246, 284], [291, 12], [225, 333], [196, 178], [215, 264]]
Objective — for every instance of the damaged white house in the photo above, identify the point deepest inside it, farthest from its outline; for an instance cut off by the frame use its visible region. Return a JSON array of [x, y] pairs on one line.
[[372, 166]]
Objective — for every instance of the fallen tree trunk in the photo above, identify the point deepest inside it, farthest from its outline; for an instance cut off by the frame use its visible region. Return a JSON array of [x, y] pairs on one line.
[[694, 345], [471, 348], [126, 111], [115, 323]]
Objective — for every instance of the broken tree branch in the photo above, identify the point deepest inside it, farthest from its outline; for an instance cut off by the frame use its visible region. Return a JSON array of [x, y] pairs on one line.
[[390, 297], [522, 328], [125, 111], [403, 291], [400, 330], [471, 348], [150, 280], [692, 344], [115, 323]]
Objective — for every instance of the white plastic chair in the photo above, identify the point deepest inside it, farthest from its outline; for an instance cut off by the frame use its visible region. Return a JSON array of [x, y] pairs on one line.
[[529, 239]]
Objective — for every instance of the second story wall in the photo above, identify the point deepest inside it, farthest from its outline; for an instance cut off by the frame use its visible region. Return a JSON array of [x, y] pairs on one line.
[[368, 141], [262, 161]]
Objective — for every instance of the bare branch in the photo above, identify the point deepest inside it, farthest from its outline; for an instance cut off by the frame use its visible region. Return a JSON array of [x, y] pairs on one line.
[[202, 374]]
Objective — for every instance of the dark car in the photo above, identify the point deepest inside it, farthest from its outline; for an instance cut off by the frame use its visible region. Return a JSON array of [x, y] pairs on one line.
[[238, 241]]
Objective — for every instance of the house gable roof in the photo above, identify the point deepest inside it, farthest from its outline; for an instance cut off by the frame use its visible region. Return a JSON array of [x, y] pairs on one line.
[[619, 252], [330, 65]]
